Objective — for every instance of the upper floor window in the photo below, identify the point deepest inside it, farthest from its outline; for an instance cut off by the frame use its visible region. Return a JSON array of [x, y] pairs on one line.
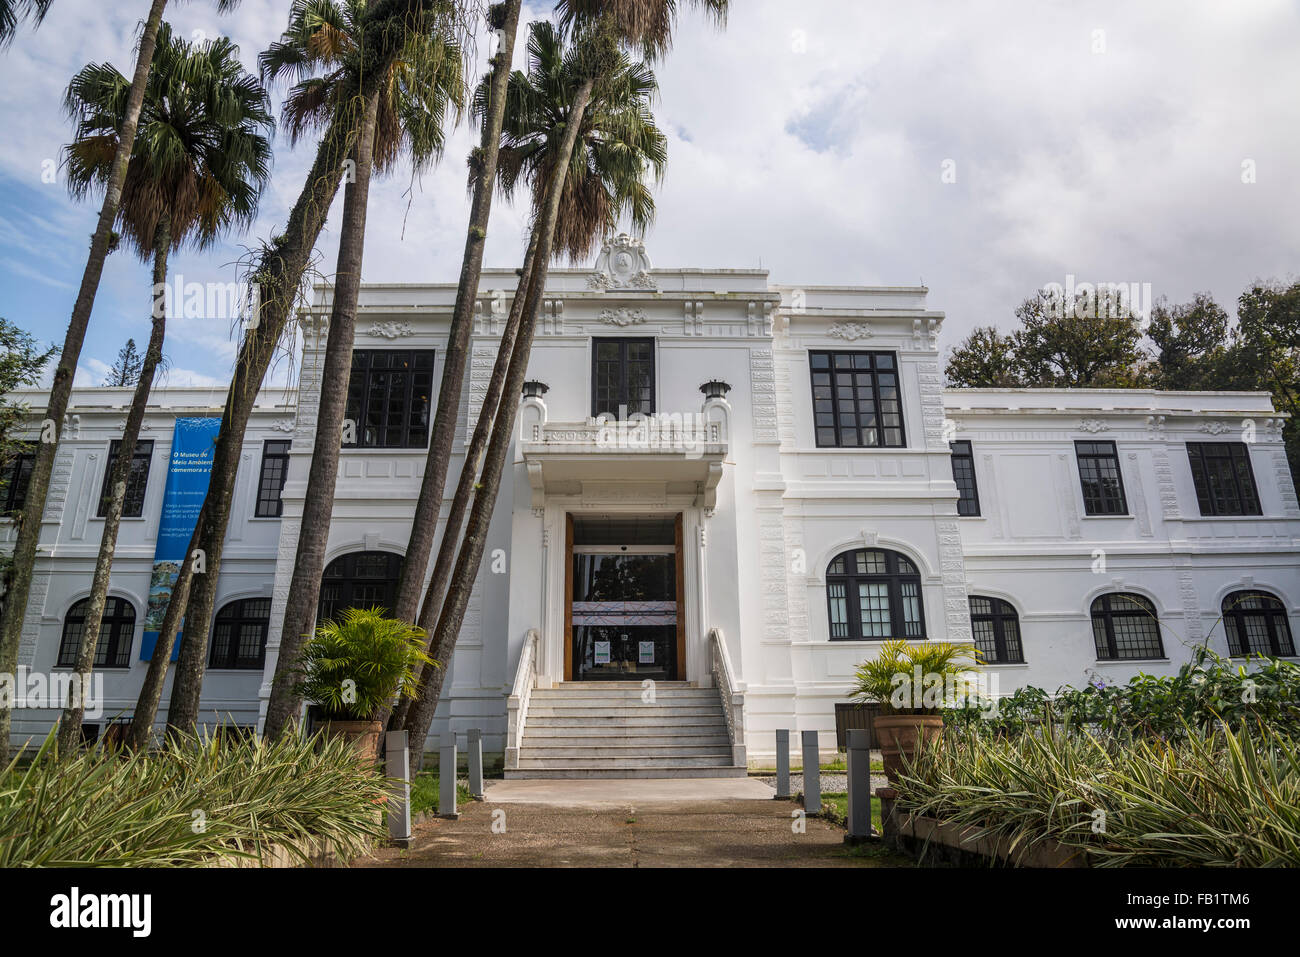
[[1099, 475], [136, 482], [1256, 624], [963, 473], [239, 634], [116, 631], [872, 595], [856, 402], [389, 398], [359, 580], [1225, 483], [1126, 626], [270, 483], [622, 376], [14, 479], [996, 629]]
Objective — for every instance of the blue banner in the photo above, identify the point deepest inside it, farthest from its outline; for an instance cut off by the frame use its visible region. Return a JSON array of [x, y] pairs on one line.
[[188, 473]]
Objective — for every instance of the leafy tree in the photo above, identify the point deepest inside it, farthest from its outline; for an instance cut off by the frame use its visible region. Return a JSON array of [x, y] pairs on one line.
[[1191, 343], [1089, 343], [126, 368], [21, 365], [985, 359], [13, 12]]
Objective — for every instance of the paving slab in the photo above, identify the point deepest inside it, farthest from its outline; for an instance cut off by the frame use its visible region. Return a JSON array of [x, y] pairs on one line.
[[618, 792]]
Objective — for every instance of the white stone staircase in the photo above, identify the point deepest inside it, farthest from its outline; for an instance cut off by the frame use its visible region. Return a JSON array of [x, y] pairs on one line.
[[606, 730]]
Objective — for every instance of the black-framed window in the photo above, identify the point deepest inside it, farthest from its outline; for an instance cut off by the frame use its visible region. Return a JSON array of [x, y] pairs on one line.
[[389, 398], [1224, 480], [856, 399], [873, 595], [963, 473], [1256, 623], [1126, 626], [137, 480], [116, 632], [14, 479], [1100, 478], [270, 482], [622, 376], [359, 580], [239, 634], [996, 628]]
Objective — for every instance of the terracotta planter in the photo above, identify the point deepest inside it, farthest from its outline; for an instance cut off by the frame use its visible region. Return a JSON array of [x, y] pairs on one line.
[[904, 734], [364, 736]]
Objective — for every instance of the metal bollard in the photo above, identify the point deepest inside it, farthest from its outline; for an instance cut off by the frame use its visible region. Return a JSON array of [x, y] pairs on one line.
[[783, 764], [474, 744], [812, 774], [397, 765], [859, 762], [447, 776]]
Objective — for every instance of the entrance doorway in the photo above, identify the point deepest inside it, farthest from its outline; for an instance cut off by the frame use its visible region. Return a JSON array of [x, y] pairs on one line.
[[624, 599]]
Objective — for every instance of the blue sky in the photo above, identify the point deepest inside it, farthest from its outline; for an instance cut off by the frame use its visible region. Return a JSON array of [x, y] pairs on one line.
[[1100, 140]]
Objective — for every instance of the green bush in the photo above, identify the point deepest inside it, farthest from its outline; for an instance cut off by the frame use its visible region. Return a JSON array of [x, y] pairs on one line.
[[1216, 798], [916, 678], [192, 803]]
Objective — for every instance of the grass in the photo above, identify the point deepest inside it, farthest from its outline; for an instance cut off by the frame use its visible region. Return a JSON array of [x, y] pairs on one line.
[[424, 793], [839, 765], [835, 808]]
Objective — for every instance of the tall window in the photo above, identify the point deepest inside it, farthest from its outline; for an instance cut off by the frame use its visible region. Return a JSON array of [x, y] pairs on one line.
[[137, 479], [14, 479], [856, 401], [389, 398], [622, 376], [275, 467], [116, 630], [996, 629], [1126, 626], [963, 473], [873, 594], [239, 634], [1225, 483], [1256, 623], [359, 580], [1103, 486]]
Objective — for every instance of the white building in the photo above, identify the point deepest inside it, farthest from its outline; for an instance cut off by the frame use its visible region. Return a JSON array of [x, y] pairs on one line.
[[789, 502]]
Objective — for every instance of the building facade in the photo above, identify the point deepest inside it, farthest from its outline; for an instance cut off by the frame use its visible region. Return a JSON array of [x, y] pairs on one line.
[[723, 482]]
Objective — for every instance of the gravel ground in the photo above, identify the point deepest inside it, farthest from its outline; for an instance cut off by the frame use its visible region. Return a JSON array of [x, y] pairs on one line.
[[831, 781]]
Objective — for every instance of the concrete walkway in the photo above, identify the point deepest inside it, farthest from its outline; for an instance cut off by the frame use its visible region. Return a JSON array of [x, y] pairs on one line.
[[721, 822]]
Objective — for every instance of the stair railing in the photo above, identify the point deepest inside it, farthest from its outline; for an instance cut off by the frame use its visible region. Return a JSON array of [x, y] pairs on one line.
[[521, 693], [732, 694]]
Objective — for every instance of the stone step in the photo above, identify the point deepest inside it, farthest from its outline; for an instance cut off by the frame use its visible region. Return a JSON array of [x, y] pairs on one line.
[[628, 761], [630, 689], [672, 750], [647, 732], [645, 771], [639, 719], [629, 711], [603, 702]]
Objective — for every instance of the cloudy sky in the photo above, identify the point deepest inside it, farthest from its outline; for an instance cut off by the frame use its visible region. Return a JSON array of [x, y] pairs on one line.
[[984, 149]]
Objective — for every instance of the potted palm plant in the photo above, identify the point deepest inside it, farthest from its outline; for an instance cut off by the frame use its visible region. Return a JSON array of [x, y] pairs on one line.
[[350, 668], [912, 684]]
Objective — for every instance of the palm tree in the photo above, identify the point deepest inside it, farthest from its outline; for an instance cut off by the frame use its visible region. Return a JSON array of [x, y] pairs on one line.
[[12, 12], [405, 116], [278, 271], [580, 136], [199, 165], [17, 581]]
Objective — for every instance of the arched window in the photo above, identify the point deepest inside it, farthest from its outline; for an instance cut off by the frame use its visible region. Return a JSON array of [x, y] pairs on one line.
[[872, 595], [1257, 625], [996, 629], [1126, 626], [239, 634], [359, 580], [116, 631]]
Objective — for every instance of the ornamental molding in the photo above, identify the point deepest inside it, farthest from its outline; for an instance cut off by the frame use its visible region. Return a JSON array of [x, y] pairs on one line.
[[1094, 426], [849, 331], [1215, 428], [283, 425], [622, 317], [622, 264], [391, 330]]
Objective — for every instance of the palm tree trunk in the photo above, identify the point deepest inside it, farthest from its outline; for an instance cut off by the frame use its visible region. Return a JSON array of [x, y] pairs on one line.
[[70, 728], [318, 504], [425, 522], [18, 582], [470, 555], [279, 275]]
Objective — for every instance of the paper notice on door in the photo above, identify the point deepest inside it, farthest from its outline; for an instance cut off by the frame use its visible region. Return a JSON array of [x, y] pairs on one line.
[[602, 653], [647, 649]]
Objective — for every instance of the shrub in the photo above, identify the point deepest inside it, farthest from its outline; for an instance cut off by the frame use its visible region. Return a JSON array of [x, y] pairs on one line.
[[916, 679]]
